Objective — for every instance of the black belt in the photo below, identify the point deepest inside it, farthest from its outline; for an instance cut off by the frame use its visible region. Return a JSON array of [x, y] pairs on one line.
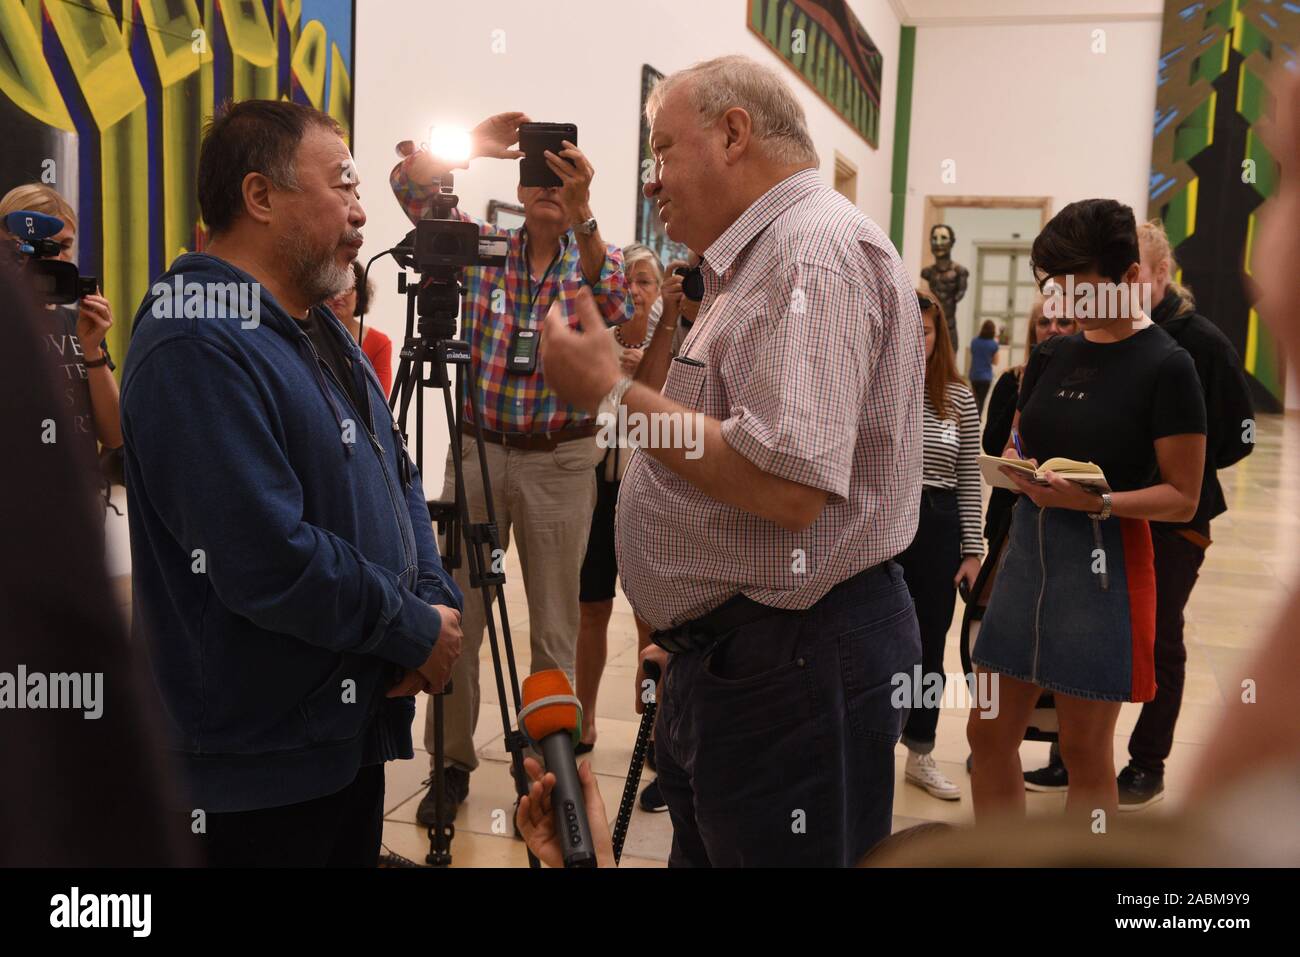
[[703, 634]]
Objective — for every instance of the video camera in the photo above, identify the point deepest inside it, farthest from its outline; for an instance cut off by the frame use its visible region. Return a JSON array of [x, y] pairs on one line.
[[439, 248], [57, 283]]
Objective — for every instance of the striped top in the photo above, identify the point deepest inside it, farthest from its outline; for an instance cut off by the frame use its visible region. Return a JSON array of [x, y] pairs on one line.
[[951, 461]]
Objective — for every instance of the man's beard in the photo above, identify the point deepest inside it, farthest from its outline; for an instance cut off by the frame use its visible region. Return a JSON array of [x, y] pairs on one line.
[[315, 272]]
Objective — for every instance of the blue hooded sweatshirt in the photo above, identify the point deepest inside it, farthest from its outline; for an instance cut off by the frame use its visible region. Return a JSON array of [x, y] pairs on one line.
[[283, 560]]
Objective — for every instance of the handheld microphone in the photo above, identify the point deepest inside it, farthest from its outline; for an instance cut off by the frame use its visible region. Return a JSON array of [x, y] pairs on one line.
[[552, 719]]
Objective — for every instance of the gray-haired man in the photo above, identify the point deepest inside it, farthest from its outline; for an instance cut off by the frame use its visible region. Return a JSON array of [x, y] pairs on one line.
[[764, 563]]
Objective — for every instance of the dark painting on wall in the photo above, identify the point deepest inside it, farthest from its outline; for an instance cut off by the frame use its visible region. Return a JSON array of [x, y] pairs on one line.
[[823, 41], [105, 102], [649, 227], [1210, 172]]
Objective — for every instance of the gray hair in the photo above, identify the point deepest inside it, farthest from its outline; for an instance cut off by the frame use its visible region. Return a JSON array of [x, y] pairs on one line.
[[737, 81], [634, 253]]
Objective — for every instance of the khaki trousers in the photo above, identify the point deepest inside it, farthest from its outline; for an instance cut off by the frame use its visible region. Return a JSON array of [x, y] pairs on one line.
[[545, 500]]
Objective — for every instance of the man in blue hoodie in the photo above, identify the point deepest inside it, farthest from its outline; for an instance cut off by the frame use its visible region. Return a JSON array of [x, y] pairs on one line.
[[285, 570]]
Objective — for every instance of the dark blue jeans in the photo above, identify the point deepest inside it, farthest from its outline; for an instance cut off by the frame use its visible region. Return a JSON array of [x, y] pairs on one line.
[[778, 748]]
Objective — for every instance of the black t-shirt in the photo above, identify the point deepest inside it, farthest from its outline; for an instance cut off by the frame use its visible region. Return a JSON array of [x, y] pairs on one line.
[[331, 350], [1108, 402]]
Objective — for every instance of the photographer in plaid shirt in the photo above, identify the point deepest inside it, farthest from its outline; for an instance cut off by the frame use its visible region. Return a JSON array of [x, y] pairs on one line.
[[541, 451], [764, 562]]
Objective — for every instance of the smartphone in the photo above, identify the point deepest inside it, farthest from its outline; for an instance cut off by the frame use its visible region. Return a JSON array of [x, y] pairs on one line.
[[534, 140]]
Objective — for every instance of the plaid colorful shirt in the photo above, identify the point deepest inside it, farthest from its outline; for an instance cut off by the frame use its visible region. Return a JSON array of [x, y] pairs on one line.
[[497, 303], [809, 350]]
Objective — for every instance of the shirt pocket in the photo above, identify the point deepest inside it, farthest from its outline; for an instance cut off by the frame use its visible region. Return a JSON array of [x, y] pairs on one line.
[[685, 382]]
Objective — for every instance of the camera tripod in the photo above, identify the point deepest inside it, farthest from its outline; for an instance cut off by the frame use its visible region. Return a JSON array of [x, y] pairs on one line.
[[428, 352]]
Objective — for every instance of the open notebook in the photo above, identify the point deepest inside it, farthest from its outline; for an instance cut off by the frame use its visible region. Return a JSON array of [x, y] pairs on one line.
[[1084, 473]]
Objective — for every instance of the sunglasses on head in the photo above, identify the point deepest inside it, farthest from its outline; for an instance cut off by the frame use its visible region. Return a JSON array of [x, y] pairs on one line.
[[924, 301]]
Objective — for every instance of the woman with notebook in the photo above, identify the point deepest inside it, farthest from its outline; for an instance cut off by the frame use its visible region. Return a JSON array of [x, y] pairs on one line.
[[1073, 607]]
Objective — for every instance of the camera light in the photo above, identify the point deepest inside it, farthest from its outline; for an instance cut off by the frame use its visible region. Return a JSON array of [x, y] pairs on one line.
[[450, 143]]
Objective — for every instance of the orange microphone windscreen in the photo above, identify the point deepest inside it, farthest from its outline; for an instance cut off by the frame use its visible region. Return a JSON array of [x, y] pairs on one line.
[[551, 717]]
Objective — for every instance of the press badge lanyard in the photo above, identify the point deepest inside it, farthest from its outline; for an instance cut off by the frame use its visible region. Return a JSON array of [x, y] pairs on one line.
[[522, 357], [528, 271]]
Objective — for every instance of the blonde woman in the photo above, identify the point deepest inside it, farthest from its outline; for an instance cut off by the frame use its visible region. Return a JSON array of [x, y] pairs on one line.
[[76, 333]]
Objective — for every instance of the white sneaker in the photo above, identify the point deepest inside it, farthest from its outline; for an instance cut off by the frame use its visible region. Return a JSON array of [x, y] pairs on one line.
[[922, 771]]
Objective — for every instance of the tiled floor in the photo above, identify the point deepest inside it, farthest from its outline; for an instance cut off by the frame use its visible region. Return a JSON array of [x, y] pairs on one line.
[[1245, 576]]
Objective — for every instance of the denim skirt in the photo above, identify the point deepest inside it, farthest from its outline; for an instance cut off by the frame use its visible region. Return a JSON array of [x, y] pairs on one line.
[[1073, 607]]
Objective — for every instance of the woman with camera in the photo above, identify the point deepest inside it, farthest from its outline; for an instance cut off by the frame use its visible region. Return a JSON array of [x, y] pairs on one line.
[[76, 333]]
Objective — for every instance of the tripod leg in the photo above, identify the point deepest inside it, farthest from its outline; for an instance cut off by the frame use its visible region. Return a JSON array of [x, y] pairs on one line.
[[443, 831]]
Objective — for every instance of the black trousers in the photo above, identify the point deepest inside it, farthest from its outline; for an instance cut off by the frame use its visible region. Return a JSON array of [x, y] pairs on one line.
[[981, 389], [930, 564], [343, 829], [778, 748], [1178, 563]]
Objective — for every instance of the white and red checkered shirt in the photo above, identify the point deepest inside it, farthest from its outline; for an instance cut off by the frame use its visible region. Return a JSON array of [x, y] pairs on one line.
[[809, 349]]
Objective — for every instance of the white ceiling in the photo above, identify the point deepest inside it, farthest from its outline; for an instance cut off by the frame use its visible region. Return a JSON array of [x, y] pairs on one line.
[[930, 13]]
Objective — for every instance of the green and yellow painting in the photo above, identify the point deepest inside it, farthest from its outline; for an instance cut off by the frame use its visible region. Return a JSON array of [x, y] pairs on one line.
[[823, 41], [1210, 172], [105, 101]]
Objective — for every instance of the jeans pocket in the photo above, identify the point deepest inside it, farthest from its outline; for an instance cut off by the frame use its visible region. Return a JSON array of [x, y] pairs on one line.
[[753, 706], [871, 656]]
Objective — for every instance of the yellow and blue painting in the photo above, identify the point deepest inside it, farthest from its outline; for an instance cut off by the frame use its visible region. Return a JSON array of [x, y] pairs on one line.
[[106, 100]]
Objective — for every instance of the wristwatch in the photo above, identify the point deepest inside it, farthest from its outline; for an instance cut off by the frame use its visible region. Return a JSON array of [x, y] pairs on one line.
[[96, 363], [1105, 508], [587, 227]]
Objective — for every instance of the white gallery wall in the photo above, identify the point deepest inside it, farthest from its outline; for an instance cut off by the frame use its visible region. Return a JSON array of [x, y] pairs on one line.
[[420, 63], [1031, 110]]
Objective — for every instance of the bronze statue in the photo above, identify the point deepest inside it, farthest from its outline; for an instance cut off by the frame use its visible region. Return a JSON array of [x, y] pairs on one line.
[[946, 279]]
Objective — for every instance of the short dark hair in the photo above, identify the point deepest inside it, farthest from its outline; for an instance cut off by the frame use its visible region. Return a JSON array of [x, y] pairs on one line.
[[1091, 235], [365, 289], [251, 136]]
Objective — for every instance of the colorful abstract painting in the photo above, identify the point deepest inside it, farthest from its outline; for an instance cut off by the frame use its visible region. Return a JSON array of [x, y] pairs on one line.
[[105, 100], [823, 41], [1210, 172]]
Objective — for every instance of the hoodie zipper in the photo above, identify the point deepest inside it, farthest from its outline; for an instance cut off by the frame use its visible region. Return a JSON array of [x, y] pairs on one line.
[[403, 518]]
